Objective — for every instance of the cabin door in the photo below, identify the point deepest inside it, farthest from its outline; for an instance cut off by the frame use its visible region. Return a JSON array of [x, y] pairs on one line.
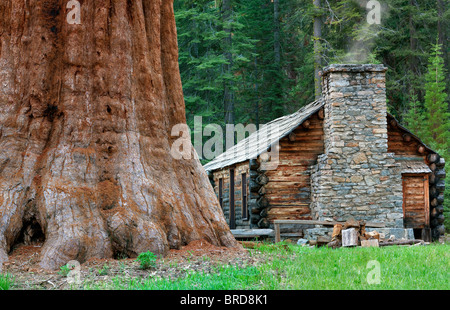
[[416, 200]]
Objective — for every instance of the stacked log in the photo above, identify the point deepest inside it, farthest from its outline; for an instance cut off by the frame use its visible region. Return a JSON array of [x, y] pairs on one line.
[[258, 203], [353, 233], [437, 187]]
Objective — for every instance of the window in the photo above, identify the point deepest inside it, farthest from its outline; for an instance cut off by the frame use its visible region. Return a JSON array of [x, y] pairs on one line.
[[221, 192], [244, 197]]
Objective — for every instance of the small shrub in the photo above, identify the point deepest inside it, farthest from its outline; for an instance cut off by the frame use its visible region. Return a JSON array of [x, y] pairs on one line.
[[147, 260], [5, 282], [64, 270], [104, 271]]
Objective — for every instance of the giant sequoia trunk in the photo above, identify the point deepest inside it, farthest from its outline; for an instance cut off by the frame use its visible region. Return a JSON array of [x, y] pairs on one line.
[[86, 112]]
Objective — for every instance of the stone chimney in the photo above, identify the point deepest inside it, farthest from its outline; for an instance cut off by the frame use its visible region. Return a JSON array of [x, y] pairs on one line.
[[356, 177]]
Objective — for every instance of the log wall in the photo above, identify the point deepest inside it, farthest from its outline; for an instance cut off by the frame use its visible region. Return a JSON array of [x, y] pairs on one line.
[[288, 191]]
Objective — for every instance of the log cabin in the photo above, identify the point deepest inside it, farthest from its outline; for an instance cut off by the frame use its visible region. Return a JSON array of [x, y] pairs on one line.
[[341, 156]]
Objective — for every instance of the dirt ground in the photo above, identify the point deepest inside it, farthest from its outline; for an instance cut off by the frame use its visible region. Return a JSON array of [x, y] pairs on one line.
[[199, 255]]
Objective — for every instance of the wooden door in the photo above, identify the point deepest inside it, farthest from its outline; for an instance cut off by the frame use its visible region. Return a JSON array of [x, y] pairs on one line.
[[416, 201]]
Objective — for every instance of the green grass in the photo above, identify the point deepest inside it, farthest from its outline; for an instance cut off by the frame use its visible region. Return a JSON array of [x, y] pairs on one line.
[[293, 267], [5, 282]]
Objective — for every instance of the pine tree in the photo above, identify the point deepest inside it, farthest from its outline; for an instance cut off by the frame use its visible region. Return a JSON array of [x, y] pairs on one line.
[[438, 117], [415, 118], [436, 109]]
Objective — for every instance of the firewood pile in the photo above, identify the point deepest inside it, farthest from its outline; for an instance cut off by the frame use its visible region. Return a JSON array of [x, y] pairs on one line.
[[353, 233]]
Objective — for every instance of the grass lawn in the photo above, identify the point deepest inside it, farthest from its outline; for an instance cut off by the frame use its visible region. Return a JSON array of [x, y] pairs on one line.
[[294, 267]]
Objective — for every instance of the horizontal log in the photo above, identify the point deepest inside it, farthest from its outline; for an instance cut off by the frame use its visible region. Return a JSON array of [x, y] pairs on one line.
[[311, 145], [432, 167], [253, 174], [440, 198], [290, 217], [321, 114], [292, 137], [441, 218], [441, 229], [262, 179], [312, 137], [289, 203], [434, 202], [262, 191], [261, 169], [253, 164], [433, 192], [440, 186], [400, 242], [264, 223], [439, 209], [302, 179], [262, 203], [441, 162], [264, 213], [275, 212], [433, 158], [253, 186], [255, 211], [393, 123], [255, 219], [306, 124], [253, 203], [407, 137], [432, 179], [440, 173], [254, 195], [434, 213]]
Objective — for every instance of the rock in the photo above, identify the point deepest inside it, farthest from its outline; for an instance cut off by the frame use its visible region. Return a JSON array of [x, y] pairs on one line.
[[359, 158], [302, 242], [370, 243]]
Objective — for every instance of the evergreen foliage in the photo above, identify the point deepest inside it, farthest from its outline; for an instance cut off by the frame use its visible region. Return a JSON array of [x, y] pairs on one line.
[[255, 58]]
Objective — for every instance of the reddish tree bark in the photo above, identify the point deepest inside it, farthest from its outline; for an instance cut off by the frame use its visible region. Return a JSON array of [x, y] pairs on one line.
[[86, 112]]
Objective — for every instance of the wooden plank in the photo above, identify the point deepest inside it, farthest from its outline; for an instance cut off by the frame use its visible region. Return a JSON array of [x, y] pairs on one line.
[[426, 188], [277, 232], [250, 233], [294, 217], [370, 243], [325, 223]]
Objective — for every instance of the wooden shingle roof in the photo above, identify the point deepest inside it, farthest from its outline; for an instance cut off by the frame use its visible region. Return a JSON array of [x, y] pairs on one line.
[[414, 167], [261, 140]]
